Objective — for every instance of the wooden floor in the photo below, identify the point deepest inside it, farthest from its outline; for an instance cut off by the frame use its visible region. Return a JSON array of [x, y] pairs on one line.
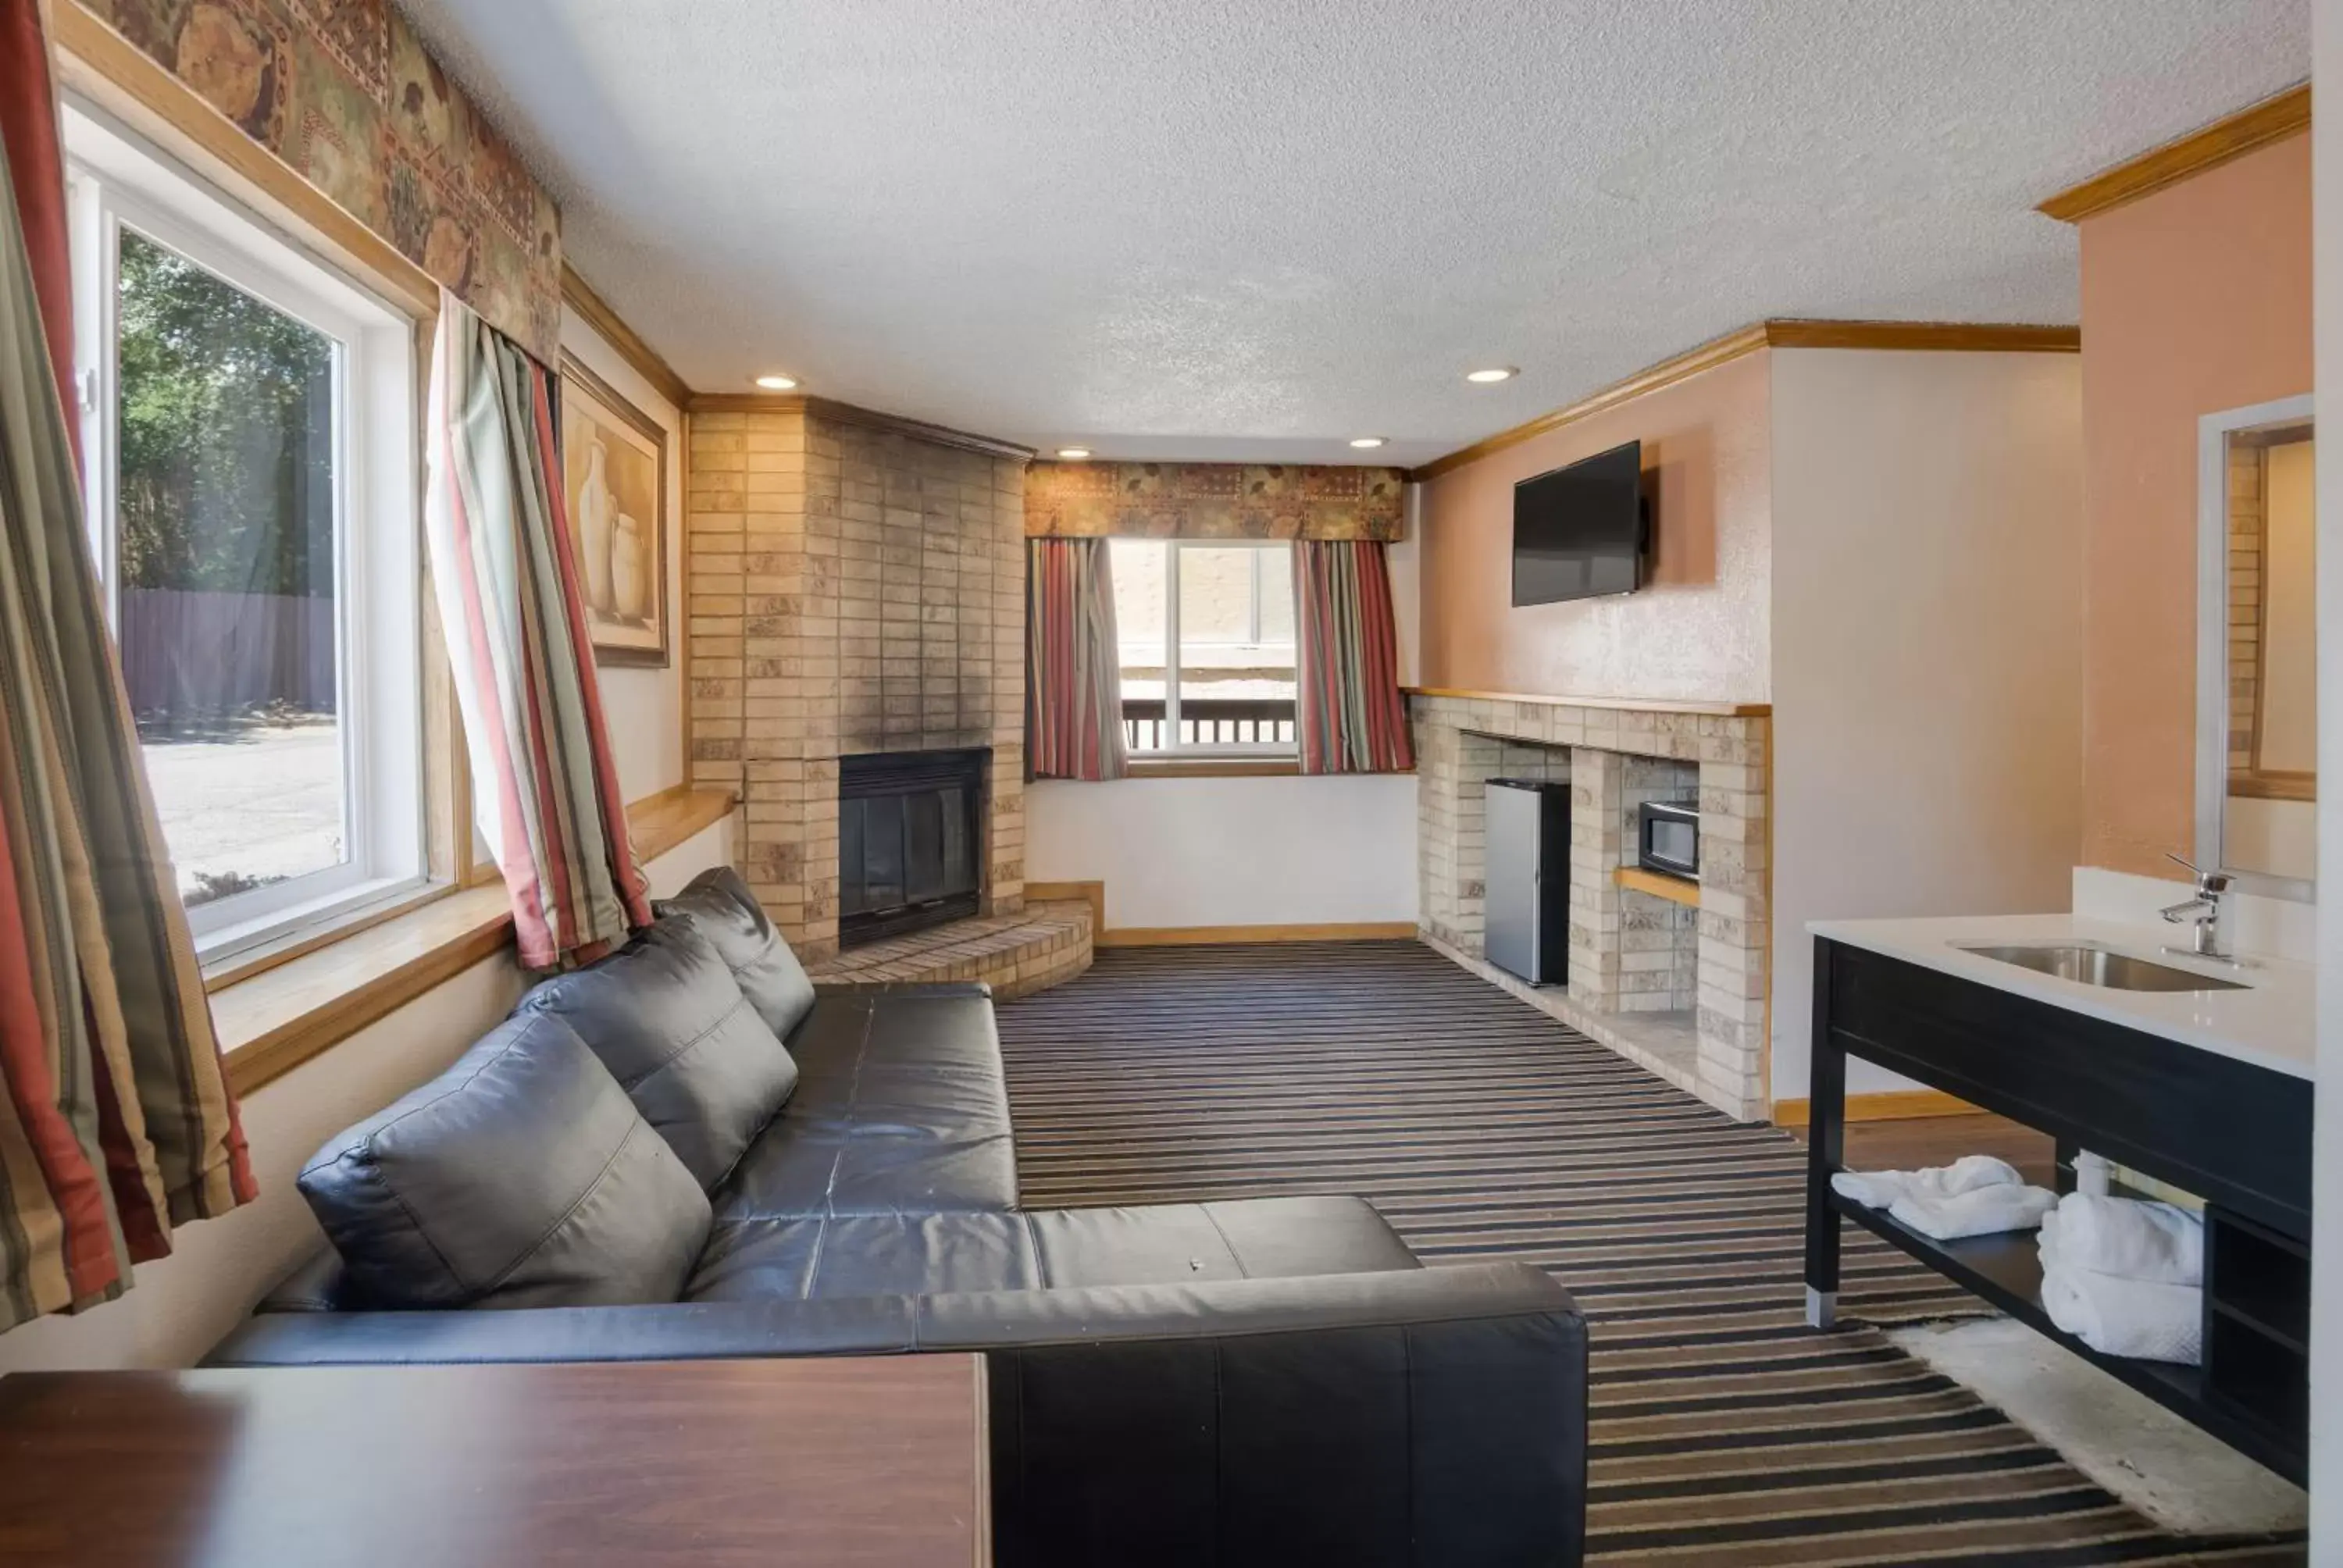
[[1941, 1139]]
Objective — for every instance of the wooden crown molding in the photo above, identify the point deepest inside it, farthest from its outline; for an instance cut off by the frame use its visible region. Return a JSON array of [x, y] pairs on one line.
[[1938, 336], [1781, 332], [848, 414], [1666, 373], [579, 296], [2257, 126]]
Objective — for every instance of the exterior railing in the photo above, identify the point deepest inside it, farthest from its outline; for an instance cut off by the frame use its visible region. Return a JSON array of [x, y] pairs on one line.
[[1209, 722]]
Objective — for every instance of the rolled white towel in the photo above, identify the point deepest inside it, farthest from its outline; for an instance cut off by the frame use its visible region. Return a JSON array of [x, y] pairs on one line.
[[2145, 1319], [2128, 1238], [1881, 1188], [1979, 1211]]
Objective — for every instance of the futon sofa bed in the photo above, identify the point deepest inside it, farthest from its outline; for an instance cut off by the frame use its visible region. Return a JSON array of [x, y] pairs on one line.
[[682, 1151]]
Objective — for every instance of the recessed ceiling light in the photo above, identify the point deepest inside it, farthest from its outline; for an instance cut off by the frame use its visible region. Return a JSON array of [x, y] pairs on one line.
[[1073, 454], [777, 382], [1366, 442], [1494, 373]]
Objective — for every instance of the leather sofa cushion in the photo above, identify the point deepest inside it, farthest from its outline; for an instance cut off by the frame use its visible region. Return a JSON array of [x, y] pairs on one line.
[[718, 906], [832, 1258], [520, 1177], [670, 1023], [900, 1107]]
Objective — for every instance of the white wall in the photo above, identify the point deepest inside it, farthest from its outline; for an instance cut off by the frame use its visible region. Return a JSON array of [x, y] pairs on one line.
[[181, 1306], [2326, 1197], [643, 708], [1405, 560], [1336, 850], [1927, 630]]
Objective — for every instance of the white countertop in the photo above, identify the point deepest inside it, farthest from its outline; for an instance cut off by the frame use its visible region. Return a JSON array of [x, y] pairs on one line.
[[2268, 1023]]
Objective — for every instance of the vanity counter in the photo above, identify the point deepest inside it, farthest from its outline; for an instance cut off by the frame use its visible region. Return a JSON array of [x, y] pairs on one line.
[[2269, 1024]]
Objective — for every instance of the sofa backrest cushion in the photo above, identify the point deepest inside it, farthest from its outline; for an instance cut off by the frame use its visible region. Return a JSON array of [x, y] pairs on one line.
[[521, 1176], [668, 1019], [719, 906]]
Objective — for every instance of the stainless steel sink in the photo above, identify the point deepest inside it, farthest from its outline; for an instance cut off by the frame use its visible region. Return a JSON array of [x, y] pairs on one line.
[[2087, 963]]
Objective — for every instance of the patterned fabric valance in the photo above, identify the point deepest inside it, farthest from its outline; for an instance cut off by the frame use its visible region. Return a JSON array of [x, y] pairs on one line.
[[1214, 502], [344, 93]]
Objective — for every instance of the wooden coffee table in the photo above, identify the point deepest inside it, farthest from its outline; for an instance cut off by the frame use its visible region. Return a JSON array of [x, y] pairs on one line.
[[875, 1460]]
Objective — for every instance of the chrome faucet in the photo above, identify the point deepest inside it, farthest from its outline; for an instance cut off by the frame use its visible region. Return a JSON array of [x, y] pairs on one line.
[[2211, 887]]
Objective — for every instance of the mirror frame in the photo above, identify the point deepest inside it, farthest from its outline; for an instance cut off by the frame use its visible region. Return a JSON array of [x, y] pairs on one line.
[[2213, 433]]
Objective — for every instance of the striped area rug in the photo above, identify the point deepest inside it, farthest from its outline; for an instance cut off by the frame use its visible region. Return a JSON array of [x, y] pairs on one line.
[[1724, 1430]]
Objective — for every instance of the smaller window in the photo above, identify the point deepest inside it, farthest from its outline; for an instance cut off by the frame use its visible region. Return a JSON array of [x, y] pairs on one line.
[[1206, 629]]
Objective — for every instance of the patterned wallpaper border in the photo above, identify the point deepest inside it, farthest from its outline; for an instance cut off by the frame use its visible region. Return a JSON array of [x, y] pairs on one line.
[[344, 93], [1215, 502]]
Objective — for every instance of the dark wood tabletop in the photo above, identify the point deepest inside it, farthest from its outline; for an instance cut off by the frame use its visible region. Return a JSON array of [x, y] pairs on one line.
[[878, 1461]]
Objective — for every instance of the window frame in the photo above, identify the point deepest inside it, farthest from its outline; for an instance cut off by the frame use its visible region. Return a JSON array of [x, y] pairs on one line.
[[117, 180], [1174, 749]]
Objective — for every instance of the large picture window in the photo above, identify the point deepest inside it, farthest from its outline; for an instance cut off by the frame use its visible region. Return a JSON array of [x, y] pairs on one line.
[[1207, 656], [248, 423]]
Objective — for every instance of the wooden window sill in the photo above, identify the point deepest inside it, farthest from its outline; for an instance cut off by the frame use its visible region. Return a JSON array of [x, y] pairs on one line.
[[1214, 768], [1227, 767], [273, 1020]]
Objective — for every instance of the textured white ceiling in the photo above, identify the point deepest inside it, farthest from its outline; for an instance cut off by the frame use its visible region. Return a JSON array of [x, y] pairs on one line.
[[1255, 228]]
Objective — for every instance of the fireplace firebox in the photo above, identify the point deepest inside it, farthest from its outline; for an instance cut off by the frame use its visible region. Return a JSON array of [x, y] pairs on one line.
[[910, 841]]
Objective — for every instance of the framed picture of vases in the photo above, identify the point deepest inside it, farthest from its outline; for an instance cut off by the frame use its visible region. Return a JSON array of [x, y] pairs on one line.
[[614, 467]]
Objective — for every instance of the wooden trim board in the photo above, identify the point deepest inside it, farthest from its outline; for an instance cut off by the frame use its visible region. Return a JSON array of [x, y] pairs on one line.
[[2255, 127], [1635, 704], [273, 1021], [1925, 336], [1786, 332], [849, 414], [1091, 893], [1197, 936], [1213, 767], [1659, 885], [579, 296], [1890, 1105]]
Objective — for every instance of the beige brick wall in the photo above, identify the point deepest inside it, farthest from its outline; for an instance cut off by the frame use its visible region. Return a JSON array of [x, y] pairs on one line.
[[853, 589]]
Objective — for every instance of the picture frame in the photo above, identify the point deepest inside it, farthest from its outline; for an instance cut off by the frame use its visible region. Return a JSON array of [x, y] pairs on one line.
[[614, 472]]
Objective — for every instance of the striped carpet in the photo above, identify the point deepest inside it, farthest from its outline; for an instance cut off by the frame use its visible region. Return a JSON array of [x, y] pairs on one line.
[[1724, 1430]]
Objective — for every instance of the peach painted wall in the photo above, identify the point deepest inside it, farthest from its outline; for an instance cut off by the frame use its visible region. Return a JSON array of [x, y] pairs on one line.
[[2194, 299], [1698, 631]]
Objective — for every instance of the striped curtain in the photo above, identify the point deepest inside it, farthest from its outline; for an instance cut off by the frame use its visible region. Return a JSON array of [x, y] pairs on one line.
[[1073, 683], [505, 571], [1351, 716], [115, 1123]]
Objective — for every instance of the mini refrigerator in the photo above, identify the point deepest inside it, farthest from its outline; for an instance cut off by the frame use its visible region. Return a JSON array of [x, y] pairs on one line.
[[1527, 905]]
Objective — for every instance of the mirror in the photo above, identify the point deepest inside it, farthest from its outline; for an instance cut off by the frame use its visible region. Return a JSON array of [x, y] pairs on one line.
[[2257, 816]]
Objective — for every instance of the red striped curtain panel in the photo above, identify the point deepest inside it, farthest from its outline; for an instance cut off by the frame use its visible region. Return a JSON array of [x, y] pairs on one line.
[[1350, 714], [506, 570], [1073, 683], [115, 1123]]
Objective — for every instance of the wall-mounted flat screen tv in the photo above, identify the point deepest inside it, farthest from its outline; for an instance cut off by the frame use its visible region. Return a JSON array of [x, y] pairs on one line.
[[1580, 532]]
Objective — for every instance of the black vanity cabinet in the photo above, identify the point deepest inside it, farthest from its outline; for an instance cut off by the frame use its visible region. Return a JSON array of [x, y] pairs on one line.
[[2231, 1131]]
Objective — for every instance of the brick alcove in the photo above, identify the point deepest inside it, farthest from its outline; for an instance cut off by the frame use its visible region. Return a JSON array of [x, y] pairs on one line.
[[1680, 991]]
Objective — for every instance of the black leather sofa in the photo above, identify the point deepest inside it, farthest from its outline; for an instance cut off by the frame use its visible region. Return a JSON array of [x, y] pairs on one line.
[[633, 1167]]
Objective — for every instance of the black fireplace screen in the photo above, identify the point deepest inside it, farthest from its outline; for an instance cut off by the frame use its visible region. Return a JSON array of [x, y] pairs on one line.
[[910, 840]]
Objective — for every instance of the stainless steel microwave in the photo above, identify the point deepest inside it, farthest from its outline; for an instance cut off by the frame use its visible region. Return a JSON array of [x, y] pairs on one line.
[[1667, 836]]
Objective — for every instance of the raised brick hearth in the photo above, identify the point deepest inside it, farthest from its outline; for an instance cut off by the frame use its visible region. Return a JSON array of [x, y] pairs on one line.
[[1044, 944]]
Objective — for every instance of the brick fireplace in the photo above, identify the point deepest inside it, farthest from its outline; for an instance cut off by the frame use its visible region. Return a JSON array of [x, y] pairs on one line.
[[1681, 990], [856, 585]]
